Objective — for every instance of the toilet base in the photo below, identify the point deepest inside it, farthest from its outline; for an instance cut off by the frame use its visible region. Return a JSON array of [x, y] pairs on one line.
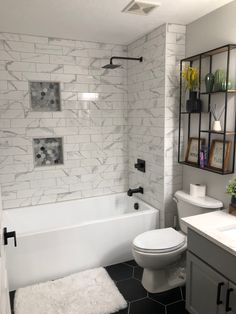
[[156, 281]]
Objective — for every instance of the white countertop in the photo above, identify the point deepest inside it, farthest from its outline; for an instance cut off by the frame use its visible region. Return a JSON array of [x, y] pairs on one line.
[[217, 226]]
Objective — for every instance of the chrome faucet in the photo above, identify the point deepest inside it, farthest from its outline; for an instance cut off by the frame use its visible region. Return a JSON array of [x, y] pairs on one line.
[[133, 191]]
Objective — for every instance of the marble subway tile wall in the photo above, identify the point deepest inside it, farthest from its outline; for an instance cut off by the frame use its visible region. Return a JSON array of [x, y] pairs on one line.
[[146, 111], [175, 51], [153, 116], [93, 120]]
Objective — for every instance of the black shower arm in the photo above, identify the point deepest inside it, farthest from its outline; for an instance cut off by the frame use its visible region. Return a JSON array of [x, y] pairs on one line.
[[126, 58]]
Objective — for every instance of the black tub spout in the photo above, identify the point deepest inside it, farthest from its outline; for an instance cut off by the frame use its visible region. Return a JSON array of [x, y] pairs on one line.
[[133, 191]]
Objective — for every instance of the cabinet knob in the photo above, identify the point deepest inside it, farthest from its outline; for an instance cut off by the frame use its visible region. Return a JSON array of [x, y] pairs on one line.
[[218, 300], [227, 305]]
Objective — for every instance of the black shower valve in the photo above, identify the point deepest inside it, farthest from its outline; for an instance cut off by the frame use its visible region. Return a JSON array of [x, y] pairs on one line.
[[7, 235], [140, 165]]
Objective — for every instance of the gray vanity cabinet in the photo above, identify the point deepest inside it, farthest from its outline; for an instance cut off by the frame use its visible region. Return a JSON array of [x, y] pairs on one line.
[[211, 277], [232, 301], [202, 287]]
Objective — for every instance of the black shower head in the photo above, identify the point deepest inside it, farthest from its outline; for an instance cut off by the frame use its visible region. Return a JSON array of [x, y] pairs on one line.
[[114, 66], [111, 66]]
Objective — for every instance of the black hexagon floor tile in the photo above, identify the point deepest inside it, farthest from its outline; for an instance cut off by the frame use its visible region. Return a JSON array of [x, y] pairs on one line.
[[177, 308], [167, 297], [138, 273], [125, 311], [146, 306], [183, 290], [120, 271], [131, 263], [131, 289]]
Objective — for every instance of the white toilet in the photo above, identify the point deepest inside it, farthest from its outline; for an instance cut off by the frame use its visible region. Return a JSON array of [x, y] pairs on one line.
[[161, 252]]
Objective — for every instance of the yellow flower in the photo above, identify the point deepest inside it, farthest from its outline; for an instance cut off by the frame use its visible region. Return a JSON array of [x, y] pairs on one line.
[[190, 75]]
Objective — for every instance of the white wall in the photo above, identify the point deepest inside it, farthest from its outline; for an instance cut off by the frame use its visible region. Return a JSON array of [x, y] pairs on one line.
[[213, 30]]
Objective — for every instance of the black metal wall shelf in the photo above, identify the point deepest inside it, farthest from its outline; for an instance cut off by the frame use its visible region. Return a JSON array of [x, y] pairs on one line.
[[230, 91], [194, 126]]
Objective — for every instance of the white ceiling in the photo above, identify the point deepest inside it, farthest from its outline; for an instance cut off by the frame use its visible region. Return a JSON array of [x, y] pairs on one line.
[[96, 20]]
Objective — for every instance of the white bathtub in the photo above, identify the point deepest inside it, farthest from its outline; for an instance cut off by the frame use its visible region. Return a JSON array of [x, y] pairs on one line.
[[55, 240]]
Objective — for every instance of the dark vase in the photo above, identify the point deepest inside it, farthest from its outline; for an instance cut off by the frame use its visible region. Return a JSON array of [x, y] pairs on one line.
[[233, 201], [193, 104], [209, 82]]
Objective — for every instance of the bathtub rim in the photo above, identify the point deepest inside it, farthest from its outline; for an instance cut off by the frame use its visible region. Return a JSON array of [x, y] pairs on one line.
[[81, 199], [150, 209]]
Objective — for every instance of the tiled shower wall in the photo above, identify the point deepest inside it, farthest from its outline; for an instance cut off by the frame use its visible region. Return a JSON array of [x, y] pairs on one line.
[[93, 120], [99, 133], [146, 112], [175, 51], [153, 96]]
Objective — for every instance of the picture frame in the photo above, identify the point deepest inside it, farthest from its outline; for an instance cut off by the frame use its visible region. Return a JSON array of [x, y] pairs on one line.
[[192, 152], [216, 155]]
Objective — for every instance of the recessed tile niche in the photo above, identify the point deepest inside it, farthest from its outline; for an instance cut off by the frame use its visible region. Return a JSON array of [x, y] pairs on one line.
[[45, 96], [48, 151]]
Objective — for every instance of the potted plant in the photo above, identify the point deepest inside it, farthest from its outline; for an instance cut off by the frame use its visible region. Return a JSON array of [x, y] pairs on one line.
[[231, 189], [191, 77]]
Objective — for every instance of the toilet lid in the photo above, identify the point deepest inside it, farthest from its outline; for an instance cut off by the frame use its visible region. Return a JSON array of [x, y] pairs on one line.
[[160, 240]]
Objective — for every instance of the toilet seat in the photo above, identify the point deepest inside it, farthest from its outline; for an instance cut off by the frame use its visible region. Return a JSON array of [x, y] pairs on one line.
[[159, 241]]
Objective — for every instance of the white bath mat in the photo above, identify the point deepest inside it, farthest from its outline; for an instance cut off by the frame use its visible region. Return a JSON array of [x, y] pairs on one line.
[[89, 292]]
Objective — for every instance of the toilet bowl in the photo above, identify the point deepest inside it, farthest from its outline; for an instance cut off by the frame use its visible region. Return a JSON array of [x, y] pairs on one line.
[[156, 251], [161, 252]]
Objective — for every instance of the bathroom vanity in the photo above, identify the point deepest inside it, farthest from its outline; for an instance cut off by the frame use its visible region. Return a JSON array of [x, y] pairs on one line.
[[211, 263]]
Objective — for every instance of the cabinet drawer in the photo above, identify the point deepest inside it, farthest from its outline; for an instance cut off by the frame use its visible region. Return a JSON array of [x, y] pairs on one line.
[[216, 257]]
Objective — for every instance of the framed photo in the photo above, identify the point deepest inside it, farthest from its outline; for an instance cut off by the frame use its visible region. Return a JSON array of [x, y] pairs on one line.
[[216, 155], [192, 150]]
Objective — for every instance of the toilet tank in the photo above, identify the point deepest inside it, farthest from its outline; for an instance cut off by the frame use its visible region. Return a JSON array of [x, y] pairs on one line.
[[188, 205]]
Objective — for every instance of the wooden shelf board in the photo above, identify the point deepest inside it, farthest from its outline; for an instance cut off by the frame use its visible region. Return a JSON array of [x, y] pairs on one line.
[[189, 164], [205, 168], [220, 133], [216, 171]]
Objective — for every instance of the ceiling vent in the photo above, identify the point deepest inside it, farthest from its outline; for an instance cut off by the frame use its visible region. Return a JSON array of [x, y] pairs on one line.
[[141, 7]]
